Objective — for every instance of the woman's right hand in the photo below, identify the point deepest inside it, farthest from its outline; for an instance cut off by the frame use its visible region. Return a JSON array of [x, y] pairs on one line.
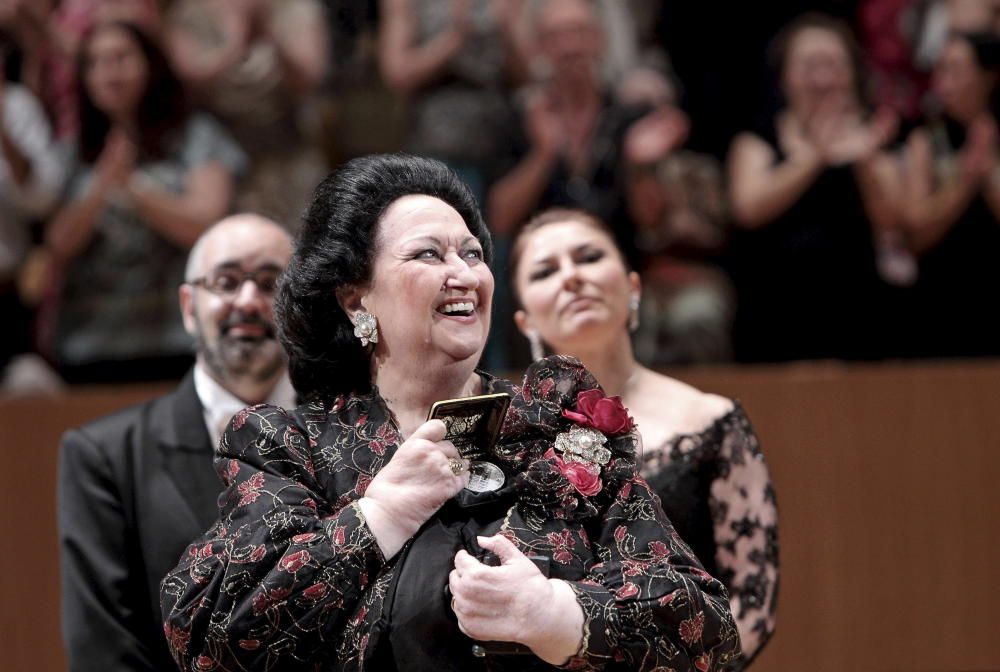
[[415, 483]]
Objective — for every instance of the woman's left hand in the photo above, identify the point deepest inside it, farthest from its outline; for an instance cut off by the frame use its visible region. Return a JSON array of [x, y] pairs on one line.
[[514, 602]]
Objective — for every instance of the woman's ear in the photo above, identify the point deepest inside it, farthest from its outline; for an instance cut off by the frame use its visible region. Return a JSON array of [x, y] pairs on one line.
[[523, 323], [635, 283], [350, 300]]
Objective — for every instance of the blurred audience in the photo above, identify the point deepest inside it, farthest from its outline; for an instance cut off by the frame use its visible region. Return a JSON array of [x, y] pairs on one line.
[[889, 32], [682, 221], [811, 191], [845, 245], [456, 61], [258, 65], [50, 32], [568, 143], [952, 203], [30, 180], [148, 178]]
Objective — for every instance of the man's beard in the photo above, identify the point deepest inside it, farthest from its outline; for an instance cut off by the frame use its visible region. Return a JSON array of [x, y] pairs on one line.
[[256, 358]]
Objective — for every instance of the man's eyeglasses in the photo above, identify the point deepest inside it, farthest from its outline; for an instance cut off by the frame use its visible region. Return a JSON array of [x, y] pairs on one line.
[[228, 281]]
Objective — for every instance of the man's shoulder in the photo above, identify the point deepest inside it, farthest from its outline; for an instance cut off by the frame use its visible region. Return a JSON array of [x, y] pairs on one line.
[[116, 430]]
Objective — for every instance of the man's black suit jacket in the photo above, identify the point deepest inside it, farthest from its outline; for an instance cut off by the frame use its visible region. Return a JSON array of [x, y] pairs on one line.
[[135, 488]]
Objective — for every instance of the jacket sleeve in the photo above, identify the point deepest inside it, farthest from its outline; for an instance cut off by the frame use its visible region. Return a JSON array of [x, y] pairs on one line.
[[648, 604], [273, 583], [102, 621]]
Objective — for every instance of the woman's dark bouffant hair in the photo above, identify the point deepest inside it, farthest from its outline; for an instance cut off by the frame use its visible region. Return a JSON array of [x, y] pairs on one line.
[[335, 250], [162, 109]]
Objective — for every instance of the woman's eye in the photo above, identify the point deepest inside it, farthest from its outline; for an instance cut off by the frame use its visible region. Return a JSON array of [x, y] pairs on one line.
[[592, 256], [427, 254], [473, 254], [541, 274]]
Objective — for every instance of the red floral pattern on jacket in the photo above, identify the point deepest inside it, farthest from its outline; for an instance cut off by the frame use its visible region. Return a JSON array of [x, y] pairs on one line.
[[290, 576]]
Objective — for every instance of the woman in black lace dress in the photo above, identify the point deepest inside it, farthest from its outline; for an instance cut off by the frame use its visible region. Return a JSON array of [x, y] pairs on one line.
[[701, 455], [351, 535]]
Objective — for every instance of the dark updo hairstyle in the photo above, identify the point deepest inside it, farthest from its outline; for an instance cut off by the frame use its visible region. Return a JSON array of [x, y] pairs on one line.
[[778, 52], [335, 249], [163, 107]]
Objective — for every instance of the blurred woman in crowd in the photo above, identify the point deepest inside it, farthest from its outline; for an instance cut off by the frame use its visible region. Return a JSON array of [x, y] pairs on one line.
[[701, 455], [952, 204], [50, 32], [148, 178], [810, 191], [257, 65]]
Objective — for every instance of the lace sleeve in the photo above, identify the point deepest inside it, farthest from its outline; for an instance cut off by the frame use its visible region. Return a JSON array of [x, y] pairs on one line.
[[745, 520]]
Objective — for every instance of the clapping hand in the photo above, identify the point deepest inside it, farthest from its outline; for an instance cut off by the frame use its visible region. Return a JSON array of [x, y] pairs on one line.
[[545, 127], [979, 153], [841, 136], [116, 161], [653, 137], [461, 18]]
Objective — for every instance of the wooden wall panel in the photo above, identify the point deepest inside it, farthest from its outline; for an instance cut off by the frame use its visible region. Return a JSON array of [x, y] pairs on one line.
[[889, 512], [887, 479], [30, 428]]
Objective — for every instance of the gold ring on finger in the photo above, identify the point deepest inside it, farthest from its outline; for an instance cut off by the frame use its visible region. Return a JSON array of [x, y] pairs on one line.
[[456, 465]]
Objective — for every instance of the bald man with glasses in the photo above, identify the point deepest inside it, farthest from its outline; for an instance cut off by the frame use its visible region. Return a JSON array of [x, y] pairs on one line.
[[137, 486]]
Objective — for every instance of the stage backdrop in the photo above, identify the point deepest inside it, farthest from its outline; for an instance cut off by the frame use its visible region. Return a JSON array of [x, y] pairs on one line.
[[887, 480]]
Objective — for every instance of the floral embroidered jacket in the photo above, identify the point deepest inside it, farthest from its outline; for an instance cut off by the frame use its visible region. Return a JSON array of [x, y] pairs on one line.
[[291, 577]]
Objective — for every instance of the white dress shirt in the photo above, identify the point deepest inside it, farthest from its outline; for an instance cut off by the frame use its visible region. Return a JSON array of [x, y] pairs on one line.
[[219, 405]]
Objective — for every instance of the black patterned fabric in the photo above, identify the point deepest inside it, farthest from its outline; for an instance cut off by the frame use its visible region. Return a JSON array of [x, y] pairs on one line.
[[290, 576]]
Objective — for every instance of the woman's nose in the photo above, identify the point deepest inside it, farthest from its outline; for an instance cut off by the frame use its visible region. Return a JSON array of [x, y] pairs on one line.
[[571, 276], [460, 274]]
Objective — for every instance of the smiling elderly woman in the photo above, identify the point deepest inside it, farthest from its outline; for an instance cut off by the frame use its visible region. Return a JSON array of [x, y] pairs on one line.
[[351, 537]]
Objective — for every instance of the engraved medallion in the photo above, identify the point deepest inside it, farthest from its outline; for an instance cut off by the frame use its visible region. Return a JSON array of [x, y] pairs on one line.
[[484, 477]]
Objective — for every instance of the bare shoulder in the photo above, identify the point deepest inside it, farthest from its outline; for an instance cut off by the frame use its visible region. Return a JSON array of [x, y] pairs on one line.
[[689, 408]]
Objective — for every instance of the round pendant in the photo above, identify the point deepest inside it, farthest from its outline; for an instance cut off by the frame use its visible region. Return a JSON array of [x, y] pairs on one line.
[[484, 477]]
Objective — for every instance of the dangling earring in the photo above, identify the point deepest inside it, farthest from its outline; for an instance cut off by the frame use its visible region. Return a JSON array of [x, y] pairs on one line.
[[633, 313], [366, 328], [537, 349]]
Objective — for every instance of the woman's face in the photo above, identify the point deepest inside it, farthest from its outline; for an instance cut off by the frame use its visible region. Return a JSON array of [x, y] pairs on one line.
[[573, 286], [961, 85], [818, 71], [431, 290], [569, 37], [116, 71]]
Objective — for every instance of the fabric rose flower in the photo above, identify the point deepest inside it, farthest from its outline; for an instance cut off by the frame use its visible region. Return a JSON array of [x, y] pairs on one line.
[[605, 414], [584, 476]]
